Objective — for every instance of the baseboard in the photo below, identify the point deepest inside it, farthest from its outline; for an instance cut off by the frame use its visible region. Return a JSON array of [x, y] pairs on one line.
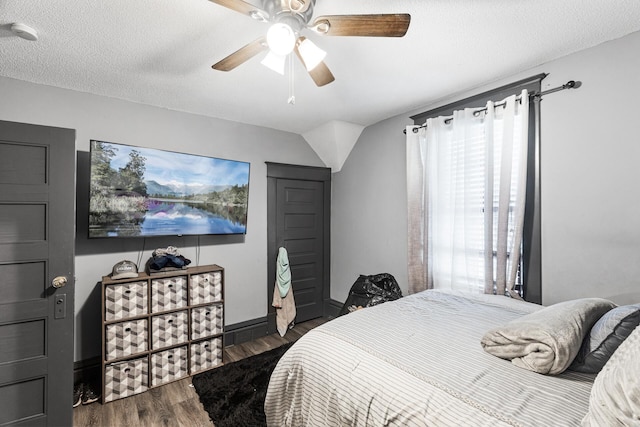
[[245, 331], [87, 371], [256, 328], [332, 308]]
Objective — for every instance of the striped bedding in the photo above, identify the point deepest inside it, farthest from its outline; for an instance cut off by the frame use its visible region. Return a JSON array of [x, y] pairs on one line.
[[418, 361]]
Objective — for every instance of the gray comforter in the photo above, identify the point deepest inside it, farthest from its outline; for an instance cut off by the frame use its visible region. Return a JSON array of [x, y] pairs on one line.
[[418, 361]]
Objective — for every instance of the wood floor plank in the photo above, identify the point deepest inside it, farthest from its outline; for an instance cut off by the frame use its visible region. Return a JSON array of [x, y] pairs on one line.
[[176, 403], [155, 407], [122, 412], [272, 341], [88, 415], [235, 353], [191, 413], [182, 391]]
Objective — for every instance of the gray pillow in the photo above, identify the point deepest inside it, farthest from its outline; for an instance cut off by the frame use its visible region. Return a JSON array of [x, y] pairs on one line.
[[605, 337]]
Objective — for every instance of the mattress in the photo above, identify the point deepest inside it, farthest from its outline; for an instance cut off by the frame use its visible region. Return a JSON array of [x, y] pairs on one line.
[[418, 361]]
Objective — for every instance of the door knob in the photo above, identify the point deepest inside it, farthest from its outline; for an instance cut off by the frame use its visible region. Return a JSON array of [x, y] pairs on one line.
[[59, 282]]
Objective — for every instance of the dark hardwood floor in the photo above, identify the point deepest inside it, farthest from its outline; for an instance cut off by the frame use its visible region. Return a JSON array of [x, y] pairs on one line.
[[175, 404]]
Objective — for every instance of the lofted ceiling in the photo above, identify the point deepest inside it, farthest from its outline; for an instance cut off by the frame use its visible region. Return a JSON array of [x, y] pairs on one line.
[[160, 52]]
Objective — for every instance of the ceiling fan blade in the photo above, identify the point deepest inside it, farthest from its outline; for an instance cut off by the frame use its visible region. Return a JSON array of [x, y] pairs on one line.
[[320, 74], [387, 25], [244, 8], [241, 55]]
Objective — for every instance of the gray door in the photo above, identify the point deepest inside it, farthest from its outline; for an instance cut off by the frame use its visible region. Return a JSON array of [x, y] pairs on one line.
[[299, 222], [37, 226], [299, 231]]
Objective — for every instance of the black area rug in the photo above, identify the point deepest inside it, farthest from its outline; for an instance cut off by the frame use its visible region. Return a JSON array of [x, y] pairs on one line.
[[234, 393]]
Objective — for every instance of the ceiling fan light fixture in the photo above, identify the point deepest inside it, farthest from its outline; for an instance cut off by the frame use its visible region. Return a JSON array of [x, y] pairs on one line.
[[24, 31], [274, 62], [281, 39], [311, 54]]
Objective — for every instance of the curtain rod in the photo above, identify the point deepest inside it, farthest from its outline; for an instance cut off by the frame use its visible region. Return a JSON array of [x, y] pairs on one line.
[[571, 84]]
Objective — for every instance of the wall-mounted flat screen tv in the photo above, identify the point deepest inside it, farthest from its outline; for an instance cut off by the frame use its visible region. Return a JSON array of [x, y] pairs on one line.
[[142, 192]]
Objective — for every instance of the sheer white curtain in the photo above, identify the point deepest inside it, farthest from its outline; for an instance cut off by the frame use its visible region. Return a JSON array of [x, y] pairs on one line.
[[466, 183]]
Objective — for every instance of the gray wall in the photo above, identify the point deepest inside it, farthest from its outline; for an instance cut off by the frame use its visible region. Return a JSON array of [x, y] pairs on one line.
[[589, 173], [590, 203], [369, 209], [96, 117]]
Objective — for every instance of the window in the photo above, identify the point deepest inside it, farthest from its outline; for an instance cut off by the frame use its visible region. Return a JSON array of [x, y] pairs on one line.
[[529, 272]]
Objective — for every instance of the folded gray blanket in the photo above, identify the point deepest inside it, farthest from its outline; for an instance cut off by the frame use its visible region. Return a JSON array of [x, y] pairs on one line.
[[546, 341]]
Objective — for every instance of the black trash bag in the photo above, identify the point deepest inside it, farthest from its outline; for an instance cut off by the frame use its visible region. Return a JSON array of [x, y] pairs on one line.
[[371, 290]]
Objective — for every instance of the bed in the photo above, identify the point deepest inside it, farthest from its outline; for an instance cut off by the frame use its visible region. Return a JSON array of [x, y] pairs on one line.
[[418, 361]]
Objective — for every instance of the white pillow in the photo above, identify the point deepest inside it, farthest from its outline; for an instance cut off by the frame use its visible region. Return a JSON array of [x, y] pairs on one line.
[[615, 395]]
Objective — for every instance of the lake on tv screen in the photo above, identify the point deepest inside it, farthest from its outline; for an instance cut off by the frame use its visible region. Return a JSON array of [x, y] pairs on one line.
[[175, 218]]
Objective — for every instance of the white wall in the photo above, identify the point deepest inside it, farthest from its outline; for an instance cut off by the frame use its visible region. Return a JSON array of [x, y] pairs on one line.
[[96, 117], [590, 154]]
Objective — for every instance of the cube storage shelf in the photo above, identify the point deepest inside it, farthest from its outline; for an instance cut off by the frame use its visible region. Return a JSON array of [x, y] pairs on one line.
[[160, 328]]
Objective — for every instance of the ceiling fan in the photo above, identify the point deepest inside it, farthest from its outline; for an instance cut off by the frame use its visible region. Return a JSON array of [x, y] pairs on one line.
[[289, 18]]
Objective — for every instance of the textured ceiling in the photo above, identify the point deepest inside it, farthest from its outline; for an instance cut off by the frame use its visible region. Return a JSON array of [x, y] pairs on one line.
[[160, 52]]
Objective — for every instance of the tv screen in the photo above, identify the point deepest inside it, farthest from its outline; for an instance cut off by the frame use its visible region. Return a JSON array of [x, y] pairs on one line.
[[137, 191]]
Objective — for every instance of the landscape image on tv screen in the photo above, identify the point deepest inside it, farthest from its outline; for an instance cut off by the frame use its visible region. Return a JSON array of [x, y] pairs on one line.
[[137, 191]]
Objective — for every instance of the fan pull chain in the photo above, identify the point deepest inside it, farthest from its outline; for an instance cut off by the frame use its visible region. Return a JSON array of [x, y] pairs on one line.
[[292, 96]]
